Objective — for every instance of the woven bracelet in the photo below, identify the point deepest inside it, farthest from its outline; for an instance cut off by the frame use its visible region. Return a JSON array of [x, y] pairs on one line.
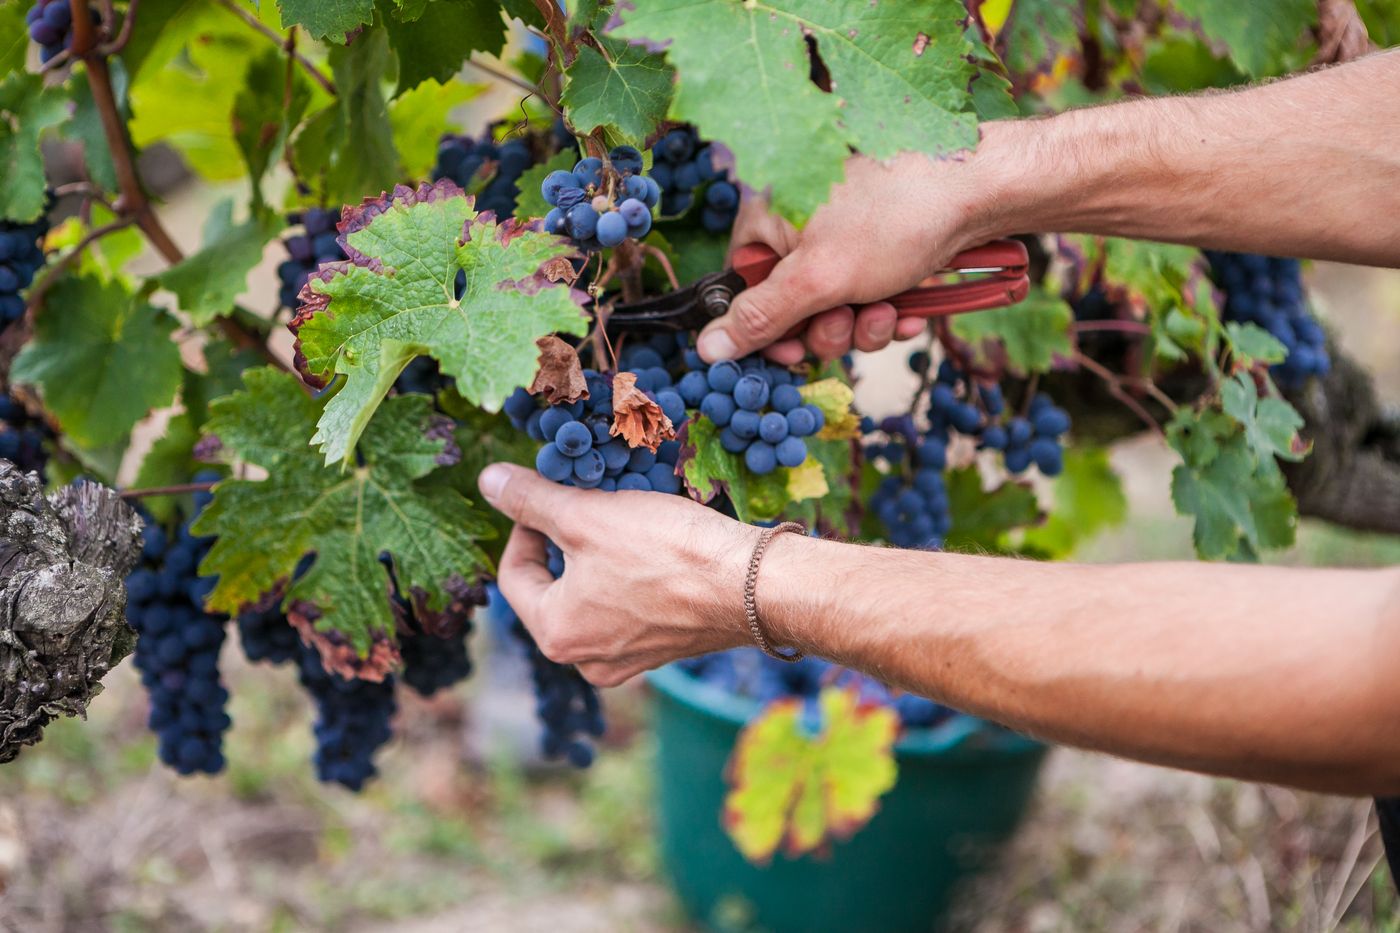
[[751, 593]]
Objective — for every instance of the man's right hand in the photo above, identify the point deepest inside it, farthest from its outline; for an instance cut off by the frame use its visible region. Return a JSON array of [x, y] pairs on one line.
[[886, 227]]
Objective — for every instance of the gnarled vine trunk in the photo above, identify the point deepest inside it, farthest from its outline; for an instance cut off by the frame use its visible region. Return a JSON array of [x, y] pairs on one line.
[[63, 561]]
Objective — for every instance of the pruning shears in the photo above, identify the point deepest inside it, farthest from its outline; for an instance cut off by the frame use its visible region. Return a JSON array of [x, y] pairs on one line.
[[993, 275]]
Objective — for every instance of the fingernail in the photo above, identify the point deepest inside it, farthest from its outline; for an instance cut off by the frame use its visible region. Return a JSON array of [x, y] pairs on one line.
[[882, 329], [492, 481], [716, 345]]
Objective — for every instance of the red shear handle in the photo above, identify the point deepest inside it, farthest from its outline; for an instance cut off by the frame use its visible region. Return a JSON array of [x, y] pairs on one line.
[[1000, 266]]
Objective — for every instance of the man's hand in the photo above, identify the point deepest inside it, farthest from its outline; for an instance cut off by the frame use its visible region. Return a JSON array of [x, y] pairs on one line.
[[887, 227], [647, 578]]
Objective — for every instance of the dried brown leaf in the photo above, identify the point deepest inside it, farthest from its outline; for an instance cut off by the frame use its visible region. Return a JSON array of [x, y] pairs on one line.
[[559, 269], [337, 654], [637, 419], [560, 376]]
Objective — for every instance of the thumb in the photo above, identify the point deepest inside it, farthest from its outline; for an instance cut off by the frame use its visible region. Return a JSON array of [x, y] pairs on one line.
[[763, 314], [523, 496]]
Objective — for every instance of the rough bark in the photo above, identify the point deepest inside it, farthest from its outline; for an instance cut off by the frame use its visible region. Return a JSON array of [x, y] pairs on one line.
[[63, 562]]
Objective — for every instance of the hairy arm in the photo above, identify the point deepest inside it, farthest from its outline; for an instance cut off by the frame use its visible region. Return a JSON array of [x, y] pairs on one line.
[[1307, 167], [1285, 675]]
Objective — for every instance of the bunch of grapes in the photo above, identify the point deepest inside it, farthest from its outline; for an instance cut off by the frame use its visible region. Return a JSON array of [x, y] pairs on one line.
[[749, 672], [307, 251], [265, 633], [470, 162], [22, 436], [51, 26], [177, 647], [978, 410], [434, 644], [911, 502], [758, 409], [598, 211], [1268, 291], [681, 164], [20, 257], [352, 720]]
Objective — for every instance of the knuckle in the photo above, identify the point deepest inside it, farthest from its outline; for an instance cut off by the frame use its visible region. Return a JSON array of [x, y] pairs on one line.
[[759, 318]]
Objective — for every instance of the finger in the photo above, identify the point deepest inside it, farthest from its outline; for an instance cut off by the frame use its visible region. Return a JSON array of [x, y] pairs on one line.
[[793, 292], [526, 497], [829, 333], [523, 575], [908, 327], [786, 352], [875, 326], [755, 223]]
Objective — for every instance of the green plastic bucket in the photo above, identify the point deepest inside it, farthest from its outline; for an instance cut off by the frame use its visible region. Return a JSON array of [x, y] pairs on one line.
[[961, 793]]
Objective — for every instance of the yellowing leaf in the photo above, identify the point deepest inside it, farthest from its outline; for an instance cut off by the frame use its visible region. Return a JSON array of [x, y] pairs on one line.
[[807, 481], [835, 399], [795, 790]]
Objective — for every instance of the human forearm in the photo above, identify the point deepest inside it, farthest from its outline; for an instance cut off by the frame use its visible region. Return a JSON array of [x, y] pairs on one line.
[[1305, 167], [1263, 673]]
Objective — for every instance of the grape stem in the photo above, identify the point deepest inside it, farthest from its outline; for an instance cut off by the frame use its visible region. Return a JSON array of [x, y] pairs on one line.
[[1117, 325], [124, 35], [1114, 383], [175, 490], [287, 43], [54, 270], [132, 202], [665, 263], [508, 78]]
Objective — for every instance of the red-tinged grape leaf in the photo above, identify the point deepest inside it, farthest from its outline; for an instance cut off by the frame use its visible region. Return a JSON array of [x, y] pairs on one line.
[[438, 36], [1030, 334], [560, 376], [1088, 499], [395, 299], [1264, 37], [637, 419], [328, 20], [899, 76], [625, 89], [799, 791], [101, 357], [346, 517], [709, 470], [27, 111], [982, 517], [337, 655], [1238, 500], [1270, 423]]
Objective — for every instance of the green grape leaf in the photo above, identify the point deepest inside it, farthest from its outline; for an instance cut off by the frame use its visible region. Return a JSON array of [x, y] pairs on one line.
[[625, 89], [709, 470], [1251, 345], [1088, 499], [27, 110], [202, 53], [531, 203], [14, 37], [86, 129], [1270, 424], [329, 20], [982, 518], [264, 114], [364, 162], [394, 300], [437, 41], [419, 117], [1038, 32], [1031, 333], [835, 398], [208, 282], [102, 358], [1238, 500], [1262, 38], [798, 791], [899, 75], [347, 518]]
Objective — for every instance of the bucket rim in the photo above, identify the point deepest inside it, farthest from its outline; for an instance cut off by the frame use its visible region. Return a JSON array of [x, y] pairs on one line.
[[961, 733]]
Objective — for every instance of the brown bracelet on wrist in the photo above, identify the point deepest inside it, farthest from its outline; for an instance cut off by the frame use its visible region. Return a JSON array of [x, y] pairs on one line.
[[751, 593]]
